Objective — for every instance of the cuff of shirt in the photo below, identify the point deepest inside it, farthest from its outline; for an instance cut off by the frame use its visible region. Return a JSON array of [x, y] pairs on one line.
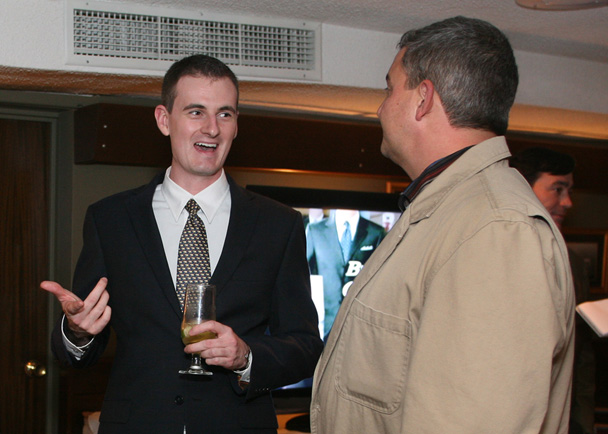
[[74, 350], [245, 374]]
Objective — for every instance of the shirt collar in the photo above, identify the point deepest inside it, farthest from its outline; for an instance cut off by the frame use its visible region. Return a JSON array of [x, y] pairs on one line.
[[426, 177], [353, 221], [208, 200]]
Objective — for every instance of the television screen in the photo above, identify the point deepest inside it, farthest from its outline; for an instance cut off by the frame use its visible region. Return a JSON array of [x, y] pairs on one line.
[[343, 229]]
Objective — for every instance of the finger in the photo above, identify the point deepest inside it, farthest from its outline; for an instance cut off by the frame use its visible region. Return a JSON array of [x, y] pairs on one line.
[[228, 362], [58, 291], [216, 361], [207, 326], [97, 310], [102, 321], [70, 303], [97, 297], [97, 300], [216, 357], [205, 345], [71, 308], [95, 294], [93, 312], [226, 349]]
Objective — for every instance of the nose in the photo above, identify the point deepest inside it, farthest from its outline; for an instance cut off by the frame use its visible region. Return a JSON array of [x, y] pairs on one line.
[[379, 111], [566, 201], [210, 127]]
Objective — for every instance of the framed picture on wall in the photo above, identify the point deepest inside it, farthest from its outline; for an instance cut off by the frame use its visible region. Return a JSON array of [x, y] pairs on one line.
[[592, 246]]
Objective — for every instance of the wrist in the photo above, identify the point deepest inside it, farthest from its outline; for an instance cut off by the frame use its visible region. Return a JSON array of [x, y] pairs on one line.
[[77, 338], [246, 358]]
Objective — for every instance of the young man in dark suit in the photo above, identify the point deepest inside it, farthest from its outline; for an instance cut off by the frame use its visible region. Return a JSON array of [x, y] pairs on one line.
[[126, 279]]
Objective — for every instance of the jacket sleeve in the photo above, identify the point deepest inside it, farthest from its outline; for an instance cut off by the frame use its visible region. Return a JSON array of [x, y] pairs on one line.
[[89, 269], [289, 351], [496, 317]]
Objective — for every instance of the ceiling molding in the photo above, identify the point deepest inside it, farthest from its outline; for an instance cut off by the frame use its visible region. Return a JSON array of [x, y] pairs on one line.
[[83, 83]]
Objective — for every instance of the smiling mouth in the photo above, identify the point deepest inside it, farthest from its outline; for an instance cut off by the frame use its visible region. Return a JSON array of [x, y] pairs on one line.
[[202, 145]]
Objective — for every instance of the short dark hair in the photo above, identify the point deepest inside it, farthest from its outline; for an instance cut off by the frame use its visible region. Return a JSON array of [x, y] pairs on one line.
[[196, 65], [531, 162], [471, 64]]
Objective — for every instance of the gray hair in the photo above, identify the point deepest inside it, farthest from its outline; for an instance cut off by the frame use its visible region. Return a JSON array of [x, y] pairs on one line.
[[471, 64]]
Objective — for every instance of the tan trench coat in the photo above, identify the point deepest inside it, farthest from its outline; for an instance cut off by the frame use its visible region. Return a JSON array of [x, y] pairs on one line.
[[461, 321]]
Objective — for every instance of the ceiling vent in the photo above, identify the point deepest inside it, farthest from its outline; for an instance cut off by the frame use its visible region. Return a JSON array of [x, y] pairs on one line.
[[121, 36]]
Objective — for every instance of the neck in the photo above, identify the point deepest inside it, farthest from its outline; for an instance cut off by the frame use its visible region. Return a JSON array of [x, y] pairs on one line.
[[445, 143], [194, 184]]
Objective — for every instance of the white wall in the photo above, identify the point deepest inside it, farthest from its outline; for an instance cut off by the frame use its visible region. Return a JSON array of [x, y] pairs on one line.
[[32, 36], [552, 81]]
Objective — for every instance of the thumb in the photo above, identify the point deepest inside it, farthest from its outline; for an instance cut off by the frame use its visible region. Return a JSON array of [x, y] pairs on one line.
[[72, 307], [70, 302]]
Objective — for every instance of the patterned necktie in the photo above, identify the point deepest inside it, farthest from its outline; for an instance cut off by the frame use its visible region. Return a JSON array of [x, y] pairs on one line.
[[346, 242], [193, 256]]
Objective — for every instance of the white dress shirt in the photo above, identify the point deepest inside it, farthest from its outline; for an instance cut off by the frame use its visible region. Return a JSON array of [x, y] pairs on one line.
[[171, 217]]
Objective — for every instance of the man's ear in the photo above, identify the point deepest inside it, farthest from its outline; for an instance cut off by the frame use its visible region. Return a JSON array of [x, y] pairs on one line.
[[426, 92], [162, 119]]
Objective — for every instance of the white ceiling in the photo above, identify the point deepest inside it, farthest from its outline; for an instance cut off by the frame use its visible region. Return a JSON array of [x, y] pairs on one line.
[[581, 34]]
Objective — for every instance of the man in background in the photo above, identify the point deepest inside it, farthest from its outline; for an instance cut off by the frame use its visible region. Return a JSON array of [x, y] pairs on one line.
[[550, 174], [337, 248], [462, 321], [131, 269]]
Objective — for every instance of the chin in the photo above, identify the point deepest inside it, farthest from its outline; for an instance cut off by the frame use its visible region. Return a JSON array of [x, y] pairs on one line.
[[385, 150]]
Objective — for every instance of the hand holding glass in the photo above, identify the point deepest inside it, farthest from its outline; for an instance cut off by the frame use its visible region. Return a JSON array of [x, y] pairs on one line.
[[199, 306]]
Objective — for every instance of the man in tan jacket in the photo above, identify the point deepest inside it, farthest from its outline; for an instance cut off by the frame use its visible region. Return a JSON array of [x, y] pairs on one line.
[[462, 320]]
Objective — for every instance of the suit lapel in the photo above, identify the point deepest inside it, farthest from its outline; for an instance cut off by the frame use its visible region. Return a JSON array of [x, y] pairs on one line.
[[243, 218], [144, 224], [330, 234], [360, 235]]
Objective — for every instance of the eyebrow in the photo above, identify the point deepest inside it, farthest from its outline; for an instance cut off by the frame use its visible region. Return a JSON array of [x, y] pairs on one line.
[[563, 184], [202, 106]]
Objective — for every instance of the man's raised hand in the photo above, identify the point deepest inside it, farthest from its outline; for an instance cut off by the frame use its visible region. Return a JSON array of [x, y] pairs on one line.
[[85, 318]]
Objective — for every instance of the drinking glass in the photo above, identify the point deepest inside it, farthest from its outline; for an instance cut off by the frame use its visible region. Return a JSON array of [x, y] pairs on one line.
[[199, 306]]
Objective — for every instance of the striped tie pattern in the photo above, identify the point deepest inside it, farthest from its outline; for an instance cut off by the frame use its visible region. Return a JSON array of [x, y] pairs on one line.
[[193, 256]]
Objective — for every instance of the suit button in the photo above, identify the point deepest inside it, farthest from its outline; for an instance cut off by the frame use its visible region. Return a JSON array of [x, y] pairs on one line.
[[179, 400]]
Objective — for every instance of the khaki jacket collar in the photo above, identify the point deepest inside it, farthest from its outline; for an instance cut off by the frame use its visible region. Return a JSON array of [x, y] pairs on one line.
[[469, 164]]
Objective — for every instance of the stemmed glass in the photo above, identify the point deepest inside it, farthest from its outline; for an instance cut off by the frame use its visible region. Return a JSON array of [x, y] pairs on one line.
[[199, 306]]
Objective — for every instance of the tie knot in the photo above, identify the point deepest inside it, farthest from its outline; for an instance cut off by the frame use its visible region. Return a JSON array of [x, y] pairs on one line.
[[192, 207]]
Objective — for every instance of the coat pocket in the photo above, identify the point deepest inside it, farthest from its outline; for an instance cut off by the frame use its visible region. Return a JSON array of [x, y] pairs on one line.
[[372, 358]]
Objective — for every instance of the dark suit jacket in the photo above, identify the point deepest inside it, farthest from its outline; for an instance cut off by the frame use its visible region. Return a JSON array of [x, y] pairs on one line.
[[263, 293], [324, 256]]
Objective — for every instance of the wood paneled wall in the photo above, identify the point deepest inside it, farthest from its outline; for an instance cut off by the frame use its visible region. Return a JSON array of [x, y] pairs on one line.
[[121, 134]]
